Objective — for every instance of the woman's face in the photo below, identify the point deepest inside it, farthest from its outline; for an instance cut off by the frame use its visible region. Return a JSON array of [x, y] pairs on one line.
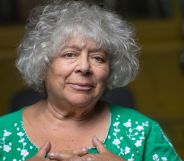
[[78, 75]]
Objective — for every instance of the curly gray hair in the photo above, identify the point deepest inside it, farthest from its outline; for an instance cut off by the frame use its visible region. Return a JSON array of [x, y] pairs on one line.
[[51, 24]]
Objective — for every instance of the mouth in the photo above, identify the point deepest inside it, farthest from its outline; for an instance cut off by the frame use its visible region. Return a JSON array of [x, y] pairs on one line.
[[81, 86]]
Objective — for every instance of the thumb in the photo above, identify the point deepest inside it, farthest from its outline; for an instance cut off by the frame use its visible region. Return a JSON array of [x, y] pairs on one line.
[[98, 144], [65, 155], [44, 149]]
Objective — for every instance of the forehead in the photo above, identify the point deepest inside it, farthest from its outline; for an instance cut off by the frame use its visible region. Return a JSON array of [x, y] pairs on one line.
[[80, 42]]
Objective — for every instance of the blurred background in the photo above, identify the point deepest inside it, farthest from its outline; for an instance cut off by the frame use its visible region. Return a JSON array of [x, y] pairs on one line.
[[158, 91]]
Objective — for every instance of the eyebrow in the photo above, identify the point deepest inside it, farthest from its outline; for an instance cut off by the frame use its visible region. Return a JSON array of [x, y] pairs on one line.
[[93, 50]]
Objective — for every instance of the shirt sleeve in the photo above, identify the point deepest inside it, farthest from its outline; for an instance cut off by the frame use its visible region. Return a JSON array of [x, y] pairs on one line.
[[158, 147]]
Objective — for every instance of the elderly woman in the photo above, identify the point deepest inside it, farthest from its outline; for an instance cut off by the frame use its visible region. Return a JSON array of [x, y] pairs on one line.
[[73, 52]]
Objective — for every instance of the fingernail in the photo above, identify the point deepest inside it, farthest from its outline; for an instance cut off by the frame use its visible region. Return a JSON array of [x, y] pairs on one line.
[[89, 159], [84, 149], [51, 155], [94, 137]]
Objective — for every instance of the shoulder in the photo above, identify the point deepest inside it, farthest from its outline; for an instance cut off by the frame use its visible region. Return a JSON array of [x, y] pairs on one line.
[[9, 119], [144, 134], [8, 124], [133, 124], [130, 114]]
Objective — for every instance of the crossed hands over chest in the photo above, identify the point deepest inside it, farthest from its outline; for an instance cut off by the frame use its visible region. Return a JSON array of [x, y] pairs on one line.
[[76, 155]]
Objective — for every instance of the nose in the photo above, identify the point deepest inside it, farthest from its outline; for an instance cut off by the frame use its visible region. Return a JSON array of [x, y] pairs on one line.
[[83, 65]]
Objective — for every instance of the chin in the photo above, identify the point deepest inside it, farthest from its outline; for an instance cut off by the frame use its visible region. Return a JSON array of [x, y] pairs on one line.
[[81, 101]]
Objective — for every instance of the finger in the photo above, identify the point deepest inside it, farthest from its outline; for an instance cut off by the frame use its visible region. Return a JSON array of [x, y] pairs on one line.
[[59, 156], [80, 152], [89, 157], [64, 155], [44, 150], [98, 144], [75, 158]]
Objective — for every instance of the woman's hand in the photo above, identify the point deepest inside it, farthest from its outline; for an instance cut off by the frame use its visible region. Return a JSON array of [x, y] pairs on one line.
[[76, 155], [104, 154], [43, 151], [68, 155]]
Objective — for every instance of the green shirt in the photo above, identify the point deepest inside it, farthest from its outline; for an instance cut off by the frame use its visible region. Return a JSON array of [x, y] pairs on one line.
[[131, 135]]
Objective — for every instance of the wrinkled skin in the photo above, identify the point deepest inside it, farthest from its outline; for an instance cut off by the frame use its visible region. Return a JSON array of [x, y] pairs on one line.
[[69, 155], [104, 154]]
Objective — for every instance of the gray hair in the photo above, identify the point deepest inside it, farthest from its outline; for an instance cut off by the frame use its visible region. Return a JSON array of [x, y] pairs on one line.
[[51, 24]]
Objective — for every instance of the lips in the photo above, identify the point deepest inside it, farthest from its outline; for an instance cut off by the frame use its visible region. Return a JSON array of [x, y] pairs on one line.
[[81, 86]]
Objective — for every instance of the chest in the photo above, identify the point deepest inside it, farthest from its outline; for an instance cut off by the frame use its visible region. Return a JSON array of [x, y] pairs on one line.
[[67, 137], [20, 143]]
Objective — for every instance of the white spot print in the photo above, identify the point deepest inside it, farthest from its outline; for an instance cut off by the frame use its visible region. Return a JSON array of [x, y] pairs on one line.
[[128, 123], [24, 152], [116, 142], [127, 150], [6, 133], [138, 143], [6, 148], [139, 128], [155, 157], [20, 134]]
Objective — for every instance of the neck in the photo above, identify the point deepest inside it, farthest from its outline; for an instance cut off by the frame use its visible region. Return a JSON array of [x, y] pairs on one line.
[[75, 113]]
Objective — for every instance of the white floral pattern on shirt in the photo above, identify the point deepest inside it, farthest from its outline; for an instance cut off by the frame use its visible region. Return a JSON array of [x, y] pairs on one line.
[[135, 132], [6, 146], [126, 137], [157, 158]]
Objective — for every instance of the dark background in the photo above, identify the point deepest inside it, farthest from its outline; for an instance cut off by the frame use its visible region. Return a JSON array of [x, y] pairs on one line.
[[158, 91]]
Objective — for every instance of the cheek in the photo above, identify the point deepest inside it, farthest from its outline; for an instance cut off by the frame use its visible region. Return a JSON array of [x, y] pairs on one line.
[[56, 75], [103, 75], [62, 71]]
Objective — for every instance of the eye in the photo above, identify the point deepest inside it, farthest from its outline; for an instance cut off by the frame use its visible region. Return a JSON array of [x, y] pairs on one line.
[[69, 55], [99, 59]]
